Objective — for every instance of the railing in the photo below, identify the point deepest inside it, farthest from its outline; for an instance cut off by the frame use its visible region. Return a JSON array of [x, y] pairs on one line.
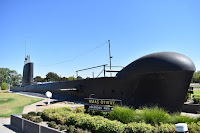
[[103, 71]]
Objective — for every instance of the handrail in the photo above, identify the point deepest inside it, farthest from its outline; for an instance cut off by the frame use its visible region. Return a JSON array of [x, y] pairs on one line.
[[92, 68]]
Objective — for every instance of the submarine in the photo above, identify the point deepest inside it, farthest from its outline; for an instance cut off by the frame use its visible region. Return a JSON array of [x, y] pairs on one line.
[[160, 79]]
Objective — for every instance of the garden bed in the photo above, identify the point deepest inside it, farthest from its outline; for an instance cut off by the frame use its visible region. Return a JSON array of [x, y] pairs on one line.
[[120, 120]]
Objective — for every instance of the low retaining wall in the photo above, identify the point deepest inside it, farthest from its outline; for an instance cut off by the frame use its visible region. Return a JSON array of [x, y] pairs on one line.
[[27, 126], [191, 108]]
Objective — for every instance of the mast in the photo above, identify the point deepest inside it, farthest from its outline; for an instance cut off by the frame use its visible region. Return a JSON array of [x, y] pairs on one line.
[[110, 57]]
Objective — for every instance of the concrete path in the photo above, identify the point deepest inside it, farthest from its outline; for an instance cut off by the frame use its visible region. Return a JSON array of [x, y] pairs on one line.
[[5, 126]]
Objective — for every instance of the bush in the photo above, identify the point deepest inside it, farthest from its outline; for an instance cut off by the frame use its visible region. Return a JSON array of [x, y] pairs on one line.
[[165, 128], [196, 99], [63, 127], [4, 86], [187, 96], [123, 114], [79, 110], [39, 113], [194, 127], [154, 115], [177, 118], [53, 124], [26, 116], [32, 113], [139, 128], [37, 119], [32, 117], [53, 114]]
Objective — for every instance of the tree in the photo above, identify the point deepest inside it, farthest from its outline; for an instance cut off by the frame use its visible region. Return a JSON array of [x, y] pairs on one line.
[[71, 78], [4, 86], [196, 76], [79, 77], [51, 76], [9, 76], [63, 79], [39, 79]]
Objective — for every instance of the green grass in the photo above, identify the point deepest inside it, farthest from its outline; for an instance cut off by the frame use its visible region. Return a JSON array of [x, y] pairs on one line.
[[196, 92], [11, 103], [195, 86]]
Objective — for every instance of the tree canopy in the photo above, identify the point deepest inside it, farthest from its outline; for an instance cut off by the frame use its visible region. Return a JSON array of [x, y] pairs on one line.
[[196, 76], [9, 76], [39, 79], [51, 76]]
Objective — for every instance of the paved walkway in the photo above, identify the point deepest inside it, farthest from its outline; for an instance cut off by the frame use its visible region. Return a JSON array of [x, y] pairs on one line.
[[5, 126]]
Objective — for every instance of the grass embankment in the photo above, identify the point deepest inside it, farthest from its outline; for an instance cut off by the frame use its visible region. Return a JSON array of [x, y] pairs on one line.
[[11, 103]]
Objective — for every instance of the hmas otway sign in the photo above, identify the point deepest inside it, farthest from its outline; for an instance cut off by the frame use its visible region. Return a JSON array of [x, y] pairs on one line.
[[101, 104]]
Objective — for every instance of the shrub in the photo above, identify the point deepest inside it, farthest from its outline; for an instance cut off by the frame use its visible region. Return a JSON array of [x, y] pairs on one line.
[[139, 128], [64, 109], [123, 114], [111, 127], [53, 114], [194, 127], [53, 124], [37, 119], [154, 115], [60, 120], [165, 128], [196, 99], [39, 113], [187, 96], [79, 110], [26, 116], [4, 86], [32, 113], [177, 118]]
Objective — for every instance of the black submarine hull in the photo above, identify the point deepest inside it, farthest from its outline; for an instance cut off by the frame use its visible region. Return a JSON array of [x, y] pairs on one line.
[[160, 79]]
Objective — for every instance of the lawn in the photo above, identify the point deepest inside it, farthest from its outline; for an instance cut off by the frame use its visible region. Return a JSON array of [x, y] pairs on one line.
[[197, 92], [11, 103]]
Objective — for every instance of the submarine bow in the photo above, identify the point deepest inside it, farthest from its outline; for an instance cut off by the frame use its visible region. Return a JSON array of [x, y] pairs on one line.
[[159, 79]]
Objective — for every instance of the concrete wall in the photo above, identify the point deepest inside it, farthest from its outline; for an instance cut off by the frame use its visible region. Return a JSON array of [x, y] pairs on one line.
[[27, 126]]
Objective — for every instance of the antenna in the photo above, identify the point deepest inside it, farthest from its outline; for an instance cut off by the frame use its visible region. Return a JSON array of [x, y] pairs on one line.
[[110, 57], [25, 48]]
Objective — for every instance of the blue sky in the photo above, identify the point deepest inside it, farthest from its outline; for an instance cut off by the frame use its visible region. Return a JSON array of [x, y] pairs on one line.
[[67, 35]]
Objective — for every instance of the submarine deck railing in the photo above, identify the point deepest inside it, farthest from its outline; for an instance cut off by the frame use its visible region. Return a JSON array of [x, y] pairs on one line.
[[104, 69]]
